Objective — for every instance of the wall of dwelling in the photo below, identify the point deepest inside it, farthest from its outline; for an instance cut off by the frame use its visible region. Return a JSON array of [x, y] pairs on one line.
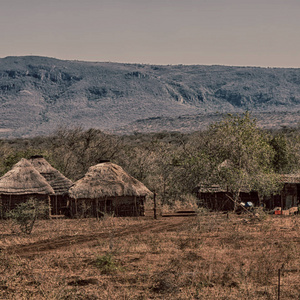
[[250, 197], [220, 201], [270, 202], [117, 206], [217, 201], [289, 197], [59, 204], [9, 202]]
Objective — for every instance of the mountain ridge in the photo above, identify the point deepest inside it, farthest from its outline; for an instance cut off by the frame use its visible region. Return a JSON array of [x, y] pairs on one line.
[[39, 93]]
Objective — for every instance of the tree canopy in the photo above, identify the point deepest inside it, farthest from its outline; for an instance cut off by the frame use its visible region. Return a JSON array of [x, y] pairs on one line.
[[233, 153]]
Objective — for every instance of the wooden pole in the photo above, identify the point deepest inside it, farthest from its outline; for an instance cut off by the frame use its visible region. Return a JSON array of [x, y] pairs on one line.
[[281, 198], [70, 207], [49, 206], [278, 284], [154, 203], [216, 203], [56, 205], [97, 215], [76, 208], [1, 207], [135, 207]]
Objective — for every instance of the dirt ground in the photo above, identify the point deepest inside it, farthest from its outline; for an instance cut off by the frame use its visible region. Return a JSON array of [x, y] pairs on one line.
[[208, 256], [64, 241]]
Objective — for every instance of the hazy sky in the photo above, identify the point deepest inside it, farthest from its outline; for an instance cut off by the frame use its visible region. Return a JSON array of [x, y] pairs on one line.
[[225, 32]]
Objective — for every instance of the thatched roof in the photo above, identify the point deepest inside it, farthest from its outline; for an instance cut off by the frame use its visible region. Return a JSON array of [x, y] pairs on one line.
[[24, 179], [58, 181], [227, 163], [107, 180], [214, 188], [290, 178]]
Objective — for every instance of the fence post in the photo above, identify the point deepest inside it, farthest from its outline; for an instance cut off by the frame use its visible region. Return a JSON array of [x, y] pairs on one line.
[[279, 284], [154, 203], [279, 273]]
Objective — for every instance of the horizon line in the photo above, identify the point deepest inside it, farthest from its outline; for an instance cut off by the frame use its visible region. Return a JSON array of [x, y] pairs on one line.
[[151, 64]]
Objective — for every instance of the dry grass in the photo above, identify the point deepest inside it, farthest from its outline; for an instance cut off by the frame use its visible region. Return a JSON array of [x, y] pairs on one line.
[[205, 257]]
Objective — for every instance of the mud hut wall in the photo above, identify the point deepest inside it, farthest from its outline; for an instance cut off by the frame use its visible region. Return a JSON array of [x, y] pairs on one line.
[[250, 197], [220, 201], [81, 207], [9, 202], [129, 206], [125, 206], [290, 197], [217, 201], [59, 204]]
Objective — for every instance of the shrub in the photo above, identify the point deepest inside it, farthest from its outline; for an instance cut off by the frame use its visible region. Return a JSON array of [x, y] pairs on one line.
[[107, 264], [26, 213]]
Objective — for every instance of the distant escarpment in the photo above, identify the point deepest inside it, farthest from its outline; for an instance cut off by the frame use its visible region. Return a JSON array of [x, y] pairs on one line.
[[37, 94]]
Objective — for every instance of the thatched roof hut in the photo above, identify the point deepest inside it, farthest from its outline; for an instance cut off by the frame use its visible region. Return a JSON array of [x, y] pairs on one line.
[[57, 180], [107, 180], [107, 188], [24, 179], [216, 197], [290, 193], [20, 184], [289, 196]]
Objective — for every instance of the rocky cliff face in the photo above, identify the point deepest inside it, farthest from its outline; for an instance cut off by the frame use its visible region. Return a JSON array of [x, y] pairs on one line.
[[38, 93]]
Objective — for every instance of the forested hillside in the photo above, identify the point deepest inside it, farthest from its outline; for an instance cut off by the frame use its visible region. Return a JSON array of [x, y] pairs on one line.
[[38, 93]]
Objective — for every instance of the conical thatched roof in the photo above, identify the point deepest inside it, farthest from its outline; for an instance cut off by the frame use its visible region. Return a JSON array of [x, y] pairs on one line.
[[58, 181], [24, 179], [107, 180]]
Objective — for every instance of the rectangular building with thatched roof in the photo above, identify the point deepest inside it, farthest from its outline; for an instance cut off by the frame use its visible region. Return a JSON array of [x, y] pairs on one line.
[[289, 196], [20, 184], [216, 198], [107, 188]]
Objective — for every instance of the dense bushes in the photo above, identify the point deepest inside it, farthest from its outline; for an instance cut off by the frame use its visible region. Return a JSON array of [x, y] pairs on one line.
[[26, 213], [171, 164]]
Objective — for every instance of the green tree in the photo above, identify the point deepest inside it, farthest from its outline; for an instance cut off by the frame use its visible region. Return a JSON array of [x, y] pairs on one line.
[[11, 155], [281, 156], [154, 163], [241, 156], [290, 146]]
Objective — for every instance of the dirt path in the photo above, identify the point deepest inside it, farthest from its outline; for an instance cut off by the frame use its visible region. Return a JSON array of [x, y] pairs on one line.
[[32, 249]]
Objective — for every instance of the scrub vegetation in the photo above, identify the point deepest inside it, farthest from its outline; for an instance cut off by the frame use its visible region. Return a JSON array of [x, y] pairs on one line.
[[209, 256], [170, 163]]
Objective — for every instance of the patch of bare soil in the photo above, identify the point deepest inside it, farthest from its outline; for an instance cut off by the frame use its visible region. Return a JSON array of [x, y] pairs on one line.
[[31, 249], [210, 256]]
